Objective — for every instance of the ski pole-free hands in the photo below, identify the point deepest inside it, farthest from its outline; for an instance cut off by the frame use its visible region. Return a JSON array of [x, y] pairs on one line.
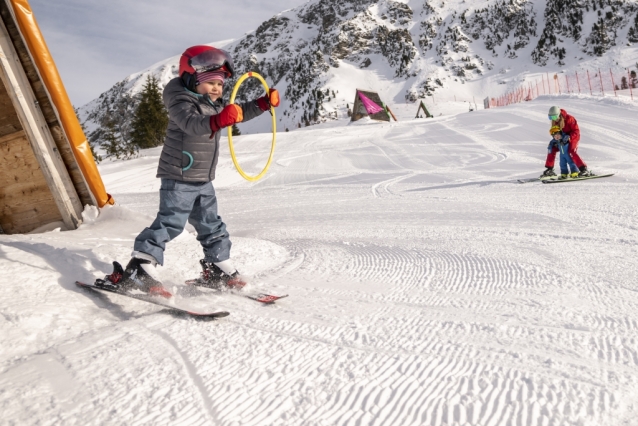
[[565, 139], [272, 99], [231, 114]]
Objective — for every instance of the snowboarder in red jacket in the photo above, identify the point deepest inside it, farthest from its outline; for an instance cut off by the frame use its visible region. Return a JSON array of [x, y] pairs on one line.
[[571, 135]]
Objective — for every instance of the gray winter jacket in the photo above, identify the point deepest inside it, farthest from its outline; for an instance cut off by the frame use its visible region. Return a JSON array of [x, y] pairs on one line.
[[189, 154]]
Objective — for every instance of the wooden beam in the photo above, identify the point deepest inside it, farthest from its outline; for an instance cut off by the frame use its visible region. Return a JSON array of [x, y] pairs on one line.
[[38, 133]]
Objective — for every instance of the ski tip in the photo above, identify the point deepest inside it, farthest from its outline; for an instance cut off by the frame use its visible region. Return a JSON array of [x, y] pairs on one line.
[[220, 314], [266, 298]]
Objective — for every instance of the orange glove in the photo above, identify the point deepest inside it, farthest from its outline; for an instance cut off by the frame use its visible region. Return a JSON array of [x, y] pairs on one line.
[[230, 115], [265, 102]]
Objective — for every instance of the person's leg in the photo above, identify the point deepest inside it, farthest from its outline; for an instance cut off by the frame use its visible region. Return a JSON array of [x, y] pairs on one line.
[[551, 157], [573, 169], [176, 202], [211, 230], [563, 163], [574, 155]]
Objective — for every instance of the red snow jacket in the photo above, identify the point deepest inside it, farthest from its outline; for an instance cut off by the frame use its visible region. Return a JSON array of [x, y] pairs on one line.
[[569, 126]]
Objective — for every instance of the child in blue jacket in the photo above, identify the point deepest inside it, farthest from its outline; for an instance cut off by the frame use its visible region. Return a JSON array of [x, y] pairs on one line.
[[568, 168]]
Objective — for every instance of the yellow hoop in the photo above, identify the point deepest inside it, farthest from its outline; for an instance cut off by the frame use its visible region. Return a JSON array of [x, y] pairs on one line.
[[274, 129]]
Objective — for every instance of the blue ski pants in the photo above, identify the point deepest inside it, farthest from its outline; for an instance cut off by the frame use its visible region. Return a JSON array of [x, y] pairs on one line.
[[181, 202], [566, 160]]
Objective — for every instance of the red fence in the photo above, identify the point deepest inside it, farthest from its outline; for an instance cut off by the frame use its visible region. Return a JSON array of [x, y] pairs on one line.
[[619, 82]]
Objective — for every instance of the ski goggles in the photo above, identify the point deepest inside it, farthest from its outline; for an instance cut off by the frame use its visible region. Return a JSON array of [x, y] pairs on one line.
[[553, 117], [212, 60]]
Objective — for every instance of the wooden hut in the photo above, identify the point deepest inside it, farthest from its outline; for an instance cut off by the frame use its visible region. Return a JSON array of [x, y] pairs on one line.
[[360, 111], [47, 171]]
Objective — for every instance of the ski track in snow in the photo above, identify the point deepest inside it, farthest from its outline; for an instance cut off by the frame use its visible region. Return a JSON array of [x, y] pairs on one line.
[[426, 287]]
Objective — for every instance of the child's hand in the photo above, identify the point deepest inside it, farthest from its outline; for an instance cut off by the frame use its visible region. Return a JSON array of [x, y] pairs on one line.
[[230, 115], [265, 102]]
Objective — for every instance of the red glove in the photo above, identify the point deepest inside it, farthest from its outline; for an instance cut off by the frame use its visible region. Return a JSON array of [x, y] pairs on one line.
[[230, 115], [265, 102]]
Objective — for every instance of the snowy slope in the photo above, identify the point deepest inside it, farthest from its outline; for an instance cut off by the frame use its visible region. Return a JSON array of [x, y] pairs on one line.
[[426, 286]]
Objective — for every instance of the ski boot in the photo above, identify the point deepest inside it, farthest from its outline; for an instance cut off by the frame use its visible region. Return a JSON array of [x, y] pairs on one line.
[[584, 172], [563, 176], [548, 173], [212, 276], [574, 175], [136, 276]]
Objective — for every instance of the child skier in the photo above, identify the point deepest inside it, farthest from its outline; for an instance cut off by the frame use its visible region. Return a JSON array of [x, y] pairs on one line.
[[187, 168], [571, 136], [562, 144]]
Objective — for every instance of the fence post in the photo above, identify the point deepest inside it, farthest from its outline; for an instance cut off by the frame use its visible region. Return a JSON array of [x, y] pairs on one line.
[[629, 82], [537, 92], [613, 83], [578, 81], [602, 89], [557, 83], [589, 79], [549, 92], [567, 83]]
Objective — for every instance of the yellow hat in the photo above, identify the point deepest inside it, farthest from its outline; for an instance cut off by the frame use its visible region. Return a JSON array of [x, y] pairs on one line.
[[554, 129]]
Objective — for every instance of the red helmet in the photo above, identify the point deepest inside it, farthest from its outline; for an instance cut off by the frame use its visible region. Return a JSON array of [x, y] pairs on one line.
[[199, 59]]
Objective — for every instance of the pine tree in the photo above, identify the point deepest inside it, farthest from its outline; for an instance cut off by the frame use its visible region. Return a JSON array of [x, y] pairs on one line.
[[632, 35], [113, 143], [235, 130], [151, 118]]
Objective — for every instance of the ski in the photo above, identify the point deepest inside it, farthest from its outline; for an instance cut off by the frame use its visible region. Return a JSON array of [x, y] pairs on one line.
[[265, 298], [104, 288], [578, 178]]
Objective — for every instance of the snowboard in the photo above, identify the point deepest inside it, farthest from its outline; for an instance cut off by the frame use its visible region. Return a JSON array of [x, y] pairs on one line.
[[578, 178], [542, 179], [264, 298], [150, 299]]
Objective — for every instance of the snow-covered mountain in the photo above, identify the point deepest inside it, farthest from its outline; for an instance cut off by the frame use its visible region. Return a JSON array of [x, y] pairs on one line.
[[318, 53]]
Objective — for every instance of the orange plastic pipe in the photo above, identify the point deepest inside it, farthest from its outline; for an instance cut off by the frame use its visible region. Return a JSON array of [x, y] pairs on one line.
[[53, 83]]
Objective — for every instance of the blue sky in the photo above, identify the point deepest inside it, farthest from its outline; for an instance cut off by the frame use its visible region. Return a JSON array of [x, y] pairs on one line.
[[96, 43]]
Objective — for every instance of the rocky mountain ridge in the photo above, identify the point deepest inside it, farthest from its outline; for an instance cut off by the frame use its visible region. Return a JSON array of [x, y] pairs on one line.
[[318, 53]]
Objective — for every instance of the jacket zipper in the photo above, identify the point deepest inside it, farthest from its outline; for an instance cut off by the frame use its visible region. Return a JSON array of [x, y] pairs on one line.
[[216, 153]]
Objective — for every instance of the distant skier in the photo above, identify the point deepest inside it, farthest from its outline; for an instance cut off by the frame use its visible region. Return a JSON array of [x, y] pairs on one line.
[[187, 167], [568, 168], [571, 136]]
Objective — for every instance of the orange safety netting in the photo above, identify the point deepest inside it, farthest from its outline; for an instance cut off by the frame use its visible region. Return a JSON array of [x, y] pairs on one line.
[[53, 83]]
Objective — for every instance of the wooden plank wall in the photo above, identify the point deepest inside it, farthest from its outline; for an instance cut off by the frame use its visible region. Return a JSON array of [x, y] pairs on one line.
[[46, 107], [25, 198]]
